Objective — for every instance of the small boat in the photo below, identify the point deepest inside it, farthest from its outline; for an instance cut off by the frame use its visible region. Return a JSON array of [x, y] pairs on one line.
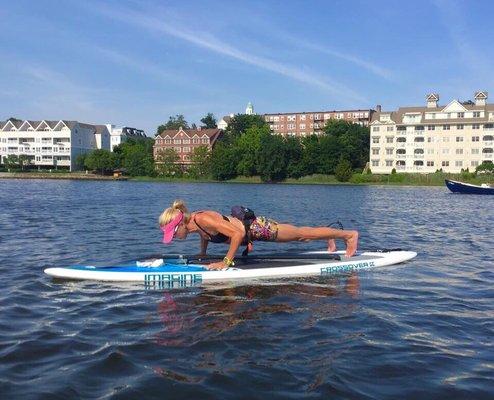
[[468, 188]]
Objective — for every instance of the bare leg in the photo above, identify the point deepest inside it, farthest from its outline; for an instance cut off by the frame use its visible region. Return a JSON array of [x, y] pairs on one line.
[[291, 233], [331, 246]]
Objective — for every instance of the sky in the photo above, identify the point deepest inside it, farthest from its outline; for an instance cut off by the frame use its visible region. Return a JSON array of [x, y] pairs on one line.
[[136, 63]]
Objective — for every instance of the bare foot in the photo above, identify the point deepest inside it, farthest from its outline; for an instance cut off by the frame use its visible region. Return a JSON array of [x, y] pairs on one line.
[[331, 246], [351, 244]]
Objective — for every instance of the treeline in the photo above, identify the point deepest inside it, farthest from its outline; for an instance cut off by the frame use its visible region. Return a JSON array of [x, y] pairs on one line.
[[248, 148], [134, 157]]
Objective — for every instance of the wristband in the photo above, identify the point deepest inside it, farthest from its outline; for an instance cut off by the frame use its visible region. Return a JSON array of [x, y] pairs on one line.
[[228, 262]]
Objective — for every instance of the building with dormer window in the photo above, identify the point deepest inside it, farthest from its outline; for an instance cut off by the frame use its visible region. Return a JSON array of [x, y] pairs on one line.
[[453, 137], [184, 141], [51, 144]]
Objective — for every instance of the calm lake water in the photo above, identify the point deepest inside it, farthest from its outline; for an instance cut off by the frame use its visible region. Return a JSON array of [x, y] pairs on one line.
[[424, 329]]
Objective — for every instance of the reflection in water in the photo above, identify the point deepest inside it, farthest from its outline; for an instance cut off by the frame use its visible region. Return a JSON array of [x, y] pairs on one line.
[[221, 310]]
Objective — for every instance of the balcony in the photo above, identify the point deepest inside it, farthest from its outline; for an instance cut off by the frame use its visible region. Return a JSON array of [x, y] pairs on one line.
[[401, 156], [418, 156]]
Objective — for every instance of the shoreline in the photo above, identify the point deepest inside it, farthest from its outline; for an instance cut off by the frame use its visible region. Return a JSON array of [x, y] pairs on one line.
[[59, 175], [372, 180]]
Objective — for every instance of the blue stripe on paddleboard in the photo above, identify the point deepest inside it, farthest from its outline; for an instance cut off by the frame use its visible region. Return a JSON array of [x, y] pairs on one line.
[[134, 268]]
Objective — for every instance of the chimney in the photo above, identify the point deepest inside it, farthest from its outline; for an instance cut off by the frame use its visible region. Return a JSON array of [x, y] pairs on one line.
[[378, 108], [480, 98], [432, 100], [199, 128]]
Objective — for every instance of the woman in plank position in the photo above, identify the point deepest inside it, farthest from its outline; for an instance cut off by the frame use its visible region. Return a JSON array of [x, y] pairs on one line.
[[177, 222]]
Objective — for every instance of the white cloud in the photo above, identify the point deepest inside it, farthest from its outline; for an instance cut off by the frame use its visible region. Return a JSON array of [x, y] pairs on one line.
[[202, 39]]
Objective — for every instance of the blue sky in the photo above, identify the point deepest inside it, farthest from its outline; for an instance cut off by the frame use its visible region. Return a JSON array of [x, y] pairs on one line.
[[136, 63]]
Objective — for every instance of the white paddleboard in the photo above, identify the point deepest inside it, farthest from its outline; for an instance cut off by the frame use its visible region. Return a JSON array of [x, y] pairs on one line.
[[179, 272]]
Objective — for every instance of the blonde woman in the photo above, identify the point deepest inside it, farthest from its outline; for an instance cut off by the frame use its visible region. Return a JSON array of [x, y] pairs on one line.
[[177, 222]]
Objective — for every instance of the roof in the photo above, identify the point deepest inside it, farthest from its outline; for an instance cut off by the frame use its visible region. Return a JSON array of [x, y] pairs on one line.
[[397, 116], [211, 133], [321, 112]]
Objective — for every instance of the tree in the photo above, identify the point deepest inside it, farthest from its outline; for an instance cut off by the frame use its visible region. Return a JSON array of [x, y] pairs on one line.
[[209, 121], [272, 158], [343, 171], [201, 162], [23, 161], [486, 166], [100, 160], [224, 161], [241, 122], [248, 146], [136, 157], [11, 161], [167, 163], [294, 152], [173, 123]]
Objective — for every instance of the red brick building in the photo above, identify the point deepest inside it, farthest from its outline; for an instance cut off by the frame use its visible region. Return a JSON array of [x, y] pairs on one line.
[[184, 141], [309, 123]]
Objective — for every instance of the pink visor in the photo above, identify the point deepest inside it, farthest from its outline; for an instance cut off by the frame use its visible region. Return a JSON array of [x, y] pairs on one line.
[[171, 227]]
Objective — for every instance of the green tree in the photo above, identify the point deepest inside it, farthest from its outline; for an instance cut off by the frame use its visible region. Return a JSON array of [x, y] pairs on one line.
[[241, 122], [248, 146], [135, 156], [311, 155], [167, 163], [174, 122], [486, 166], [294, 153], [224, 161], [11, 161], [23, 161], [80, 161], [343, 171], [209, 121], [272, 158], [201, 162], [101, 160]]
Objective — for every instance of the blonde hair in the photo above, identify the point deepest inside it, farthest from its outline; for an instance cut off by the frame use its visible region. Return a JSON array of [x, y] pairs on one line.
[[171, 212]]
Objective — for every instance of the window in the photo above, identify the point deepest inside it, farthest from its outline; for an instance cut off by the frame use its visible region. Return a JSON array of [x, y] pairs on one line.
[[375, 129], [389, 129], [419, 139], [430, 163], [445, 151], [476, 114], [389, 152], [168, 141], [445, 163], [186, 141], [474, 163], [196, 140], [460, 127], [475, 151], [302, 117], [461, 115], [375, 163], [375, 139], [445, 139], [459, 151], [430, 151], [431, 128], [389, 139], [401, 139], [186, 149], [302, 126], [177, 141], [401, 151], [418, 163], [418, 151], [375, 152], [488, 138], [205, 140], [430, 139], [475, 126], [459, 138], [401, 128], [446, 127], [475, 138], [389, 163], [458, 163]]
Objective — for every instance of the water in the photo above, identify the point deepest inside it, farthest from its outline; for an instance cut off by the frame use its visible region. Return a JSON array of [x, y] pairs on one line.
[[419, 330]]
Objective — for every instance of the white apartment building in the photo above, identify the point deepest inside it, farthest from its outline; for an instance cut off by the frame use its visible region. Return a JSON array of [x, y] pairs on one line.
[[122, 134], [457, 136], [50, 144]]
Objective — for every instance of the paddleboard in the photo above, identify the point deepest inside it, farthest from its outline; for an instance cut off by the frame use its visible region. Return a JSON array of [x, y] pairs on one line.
[[181, 271]]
